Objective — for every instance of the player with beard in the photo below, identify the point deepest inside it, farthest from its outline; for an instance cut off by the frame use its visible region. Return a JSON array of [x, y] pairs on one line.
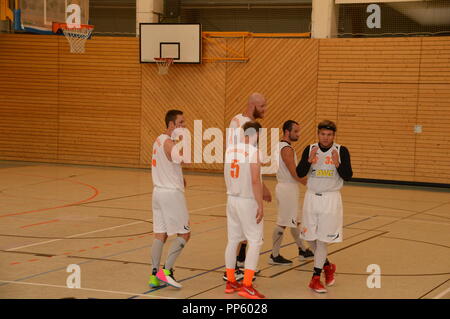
[[287, 194]]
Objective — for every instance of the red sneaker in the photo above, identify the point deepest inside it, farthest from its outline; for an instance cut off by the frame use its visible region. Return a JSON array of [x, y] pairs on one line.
[[232, 287], [316, 285], [329, 274], [250, 293]]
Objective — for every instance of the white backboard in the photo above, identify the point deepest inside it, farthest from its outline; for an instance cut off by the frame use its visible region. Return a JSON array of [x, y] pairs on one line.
[[182, 42]]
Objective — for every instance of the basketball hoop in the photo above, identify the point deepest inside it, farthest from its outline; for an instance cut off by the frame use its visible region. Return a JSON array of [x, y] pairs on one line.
[[77, 37], [163, 65]]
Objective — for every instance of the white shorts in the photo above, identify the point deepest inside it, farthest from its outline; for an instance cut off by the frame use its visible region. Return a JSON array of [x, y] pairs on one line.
[[287, 197], [322, 217], [241, 220], [170, 214]]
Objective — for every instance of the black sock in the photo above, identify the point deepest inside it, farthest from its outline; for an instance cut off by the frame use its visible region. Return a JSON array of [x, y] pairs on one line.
[[327, 262], [154, 271], [241, 256], [317, 272]]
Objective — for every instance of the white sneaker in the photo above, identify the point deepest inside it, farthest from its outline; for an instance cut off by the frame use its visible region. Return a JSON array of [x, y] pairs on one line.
[[166, 276]]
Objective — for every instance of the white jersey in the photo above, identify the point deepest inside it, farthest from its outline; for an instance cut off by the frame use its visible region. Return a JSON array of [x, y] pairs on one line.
[[323, 175], [283, 174], [237, 171], [236, 123], [165, 173]]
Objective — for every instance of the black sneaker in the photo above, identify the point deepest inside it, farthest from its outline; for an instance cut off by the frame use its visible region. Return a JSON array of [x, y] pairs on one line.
[[305, 253], [279, 260]]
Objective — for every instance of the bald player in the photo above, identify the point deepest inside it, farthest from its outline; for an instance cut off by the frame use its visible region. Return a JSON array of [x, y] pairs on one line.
[[256, 109]]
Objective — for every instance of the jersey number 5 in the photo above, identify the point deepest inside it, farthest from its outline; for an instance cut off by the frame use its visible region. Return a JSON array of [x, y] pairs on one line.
[[234, 169]]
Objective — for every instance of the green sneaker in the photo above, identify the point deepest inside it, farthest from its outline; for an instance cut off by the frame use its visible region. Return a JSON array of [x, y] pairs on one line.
[[155, 283]]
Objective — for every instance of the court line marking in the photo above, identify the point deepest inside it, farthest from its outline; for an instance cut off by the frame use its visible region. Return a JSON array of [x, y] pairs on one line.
[[99, 230], [73, 236], [96, 193], [87, 289], [406, 217], [41, 223], [112, 255], [442, 294], [430, 291]]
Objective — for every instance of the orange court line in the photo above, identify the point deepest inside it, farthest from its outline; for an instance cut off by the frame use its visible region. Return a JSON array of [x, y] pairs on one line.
[[96, 192], [47, 222]]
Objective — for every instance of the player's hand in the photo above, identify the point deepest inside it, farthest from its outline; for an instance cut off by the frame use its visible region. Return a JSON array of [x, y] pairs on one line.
[[335, 157], [259, 215], [312, 155], [267, 196], [178, 133]]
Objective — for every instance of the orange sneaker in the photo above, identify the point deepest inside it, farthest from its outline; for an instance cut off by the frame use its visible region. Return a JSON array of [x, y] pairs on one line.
[[329, 274], [232, 287], [250, 293], [316, 285]]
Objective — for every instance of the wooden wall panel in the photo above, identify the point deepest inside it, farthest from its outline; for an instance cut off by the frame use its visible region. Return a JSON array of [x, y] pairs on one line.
[[385, 60], [370, 88], [197, 90], [285, 72], [375, 122], [105, 108], [28, 97], [432, 145], [99, 102]]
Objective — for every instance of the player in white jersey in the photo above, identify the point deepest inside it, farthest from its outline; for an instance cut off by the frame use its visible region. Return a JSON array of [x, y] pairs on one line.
[[256, 109], [242, 172], [170, 214], [326, 165], [287, 193]]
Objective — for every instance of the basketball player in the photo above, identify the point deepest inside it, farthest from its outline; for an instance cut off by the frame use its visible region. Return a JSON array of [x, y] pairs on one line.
[[256, 109], [327, 165], [242, 171], [170, 214], [287, 194]]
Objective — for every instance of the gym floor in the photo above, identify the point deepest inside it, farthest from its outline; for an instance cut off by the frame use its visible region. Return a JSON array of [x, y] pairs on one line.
[[99, 218]]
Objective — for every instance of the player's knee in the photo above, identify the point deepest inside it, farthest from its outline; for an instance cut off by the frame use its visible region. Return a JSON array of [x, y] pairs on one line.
[[186, 236], [255, 243], [161, 236]]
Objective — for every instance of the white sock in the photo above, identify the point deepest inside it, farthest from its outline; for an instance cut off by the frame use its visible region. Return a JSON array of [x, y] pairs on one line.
[[157, 248], [320, 254], [277, 238], [230, 254], [296, 235], [174, 252], [251, 260]]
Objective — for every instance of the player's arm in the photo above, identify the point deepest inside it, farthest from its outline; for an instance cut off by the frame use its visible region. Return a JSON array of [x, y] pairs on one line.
[[344, 166], [304, 165], [257, 186], [287, 155], [175, 157], [267, 196]]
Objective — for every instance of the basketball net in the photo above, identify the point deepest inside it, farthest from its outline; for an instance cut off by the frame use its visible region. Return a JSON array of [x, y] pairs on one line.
[[163, 65], [77, 37]]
